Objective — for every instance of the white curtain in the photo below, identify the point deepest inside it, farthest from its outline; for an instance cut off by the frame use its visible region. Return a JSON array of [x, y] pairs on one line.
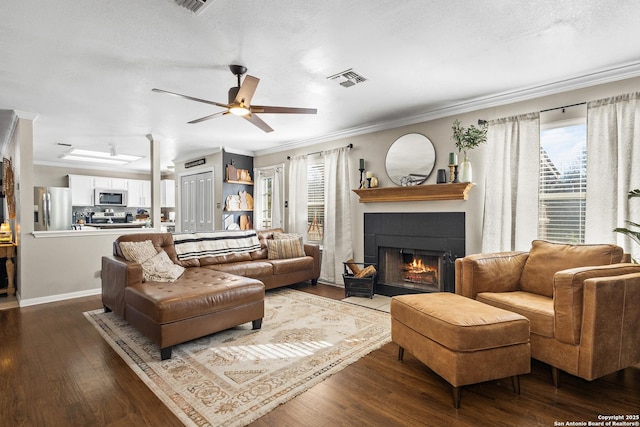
[[297, 217], [277, 198], [511, 185], [613, 169], [337, 246]]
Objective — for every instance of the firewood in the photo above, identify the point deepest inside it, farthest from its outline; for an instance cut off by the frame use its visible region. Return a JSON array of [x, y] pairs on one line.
[[366, 272], [353, 267]]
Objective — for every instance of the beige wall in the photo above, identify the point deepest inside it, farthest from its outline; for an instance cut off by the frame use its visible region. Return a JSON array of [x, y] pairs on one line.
[[373, 147]]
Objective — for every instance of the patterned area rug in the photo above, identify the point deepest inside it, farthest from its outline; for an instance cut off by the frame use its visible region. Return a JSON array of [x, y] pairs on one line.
[[233, 377], [378, 302]]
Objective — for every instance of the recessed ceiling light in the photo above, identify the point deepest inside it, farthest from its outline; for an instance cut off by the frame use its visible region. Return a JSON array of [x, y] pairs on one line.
[[91, 156], [103, 160]]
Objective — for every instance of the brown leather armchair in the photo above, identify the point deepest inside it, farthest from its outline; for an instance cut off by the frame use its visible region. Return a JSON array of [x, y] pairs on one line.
[[582, 303]]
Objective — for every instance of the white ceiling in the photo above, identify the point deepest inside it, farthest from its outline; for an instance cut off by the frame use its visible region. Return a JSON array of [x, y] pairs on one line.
[[86, 68]]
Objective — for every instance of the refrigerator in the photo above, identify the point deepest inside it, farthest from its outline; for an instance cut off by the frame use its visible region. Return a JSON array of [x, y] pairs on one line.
[[52, 208]]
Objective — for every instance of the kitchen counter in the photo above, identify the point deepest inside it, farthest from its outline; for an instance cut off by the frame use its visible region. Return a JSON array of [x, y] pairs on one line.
[[115, 225]]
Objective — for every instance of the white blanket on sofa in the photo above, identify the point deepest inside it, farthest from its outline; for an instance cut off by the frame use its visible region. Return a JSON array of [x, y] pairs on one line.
[[198, 245]]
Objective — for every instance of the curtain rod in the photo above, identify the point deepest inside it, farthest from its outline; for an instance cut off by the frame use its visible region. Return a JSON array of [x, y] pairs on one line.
[[563, 107], [318, 152]]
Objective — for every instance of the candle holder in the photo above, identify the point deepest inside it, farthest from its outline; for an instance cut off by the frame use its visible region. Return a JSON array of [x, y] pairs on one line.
[[452, 173], [455, 179], [368, 182], [362, 178]]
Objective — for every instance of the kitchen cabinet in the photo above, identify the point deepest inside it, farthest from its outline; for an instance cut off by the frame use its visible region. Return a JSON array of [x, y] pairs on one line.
[[81, 190], [168, 193], [110, 183], [139, 193]]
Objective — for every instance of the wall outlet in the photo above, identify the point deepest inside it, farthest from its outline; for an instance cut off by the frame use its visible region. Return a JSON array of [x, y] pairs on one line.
[[97, 274]]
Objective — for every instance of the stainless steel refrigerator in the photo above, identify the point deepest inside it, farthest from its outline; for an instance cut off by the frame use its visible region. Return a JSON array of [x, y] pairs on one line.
[[52, 208]]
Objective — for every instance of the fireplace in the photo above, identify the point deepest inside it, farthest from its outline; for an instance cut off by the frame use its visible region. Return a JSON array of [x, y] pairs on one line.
[[411, 268], [414, 252]]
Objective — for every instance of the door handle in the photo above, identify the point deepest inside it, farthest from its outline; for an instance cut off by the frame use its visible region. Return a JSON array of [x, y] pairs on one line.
[[48, 209]]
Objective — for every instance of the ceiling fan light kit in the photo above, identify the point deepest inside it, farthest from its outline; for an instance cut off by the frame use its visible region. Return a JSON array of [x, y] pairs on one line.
[[239, 102]]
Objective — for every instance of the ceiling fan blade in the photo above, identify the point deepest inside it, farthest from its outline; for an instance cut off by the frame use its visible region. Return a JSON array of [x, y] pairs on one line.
[[282, 110], [247, 89], [191, 98], [258, 122], [209, 117]]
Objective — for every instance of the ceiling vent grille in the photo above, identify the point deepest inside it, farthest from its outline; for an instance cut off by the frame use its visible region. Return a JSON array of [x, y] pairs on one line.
[[348, 78], [195, 6]]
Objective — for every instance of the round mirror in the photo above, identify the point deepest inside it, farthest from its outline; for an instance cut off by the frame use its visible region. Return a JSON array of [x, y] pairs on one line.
[[410, 159]]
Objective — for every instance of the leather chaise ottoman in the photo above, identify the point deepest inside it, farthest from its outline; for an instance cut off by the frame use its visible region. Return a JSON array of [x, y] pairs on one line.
[[462, 340], [194, 306]]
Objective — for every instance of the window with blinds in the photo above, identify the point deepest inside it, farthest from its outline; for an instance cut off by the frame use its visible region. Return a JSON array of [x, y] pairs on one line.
[[315, 202], [563, 182]]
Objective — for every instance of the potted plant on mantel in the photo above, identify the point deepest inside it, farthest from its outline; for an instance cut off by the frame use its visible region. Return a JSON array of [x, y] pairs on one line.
[[467, 139], [634, 235]]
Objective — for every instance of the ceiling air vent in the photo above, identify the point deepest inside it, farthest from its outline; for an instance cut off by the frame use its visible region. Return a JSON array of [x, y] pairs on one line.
[[195, 6], [348, 78]]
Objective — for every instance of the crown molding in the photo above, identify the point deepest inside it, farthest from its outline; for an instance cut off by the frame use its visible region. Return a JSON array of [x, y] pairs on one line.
[[608, 75], [239, 151]]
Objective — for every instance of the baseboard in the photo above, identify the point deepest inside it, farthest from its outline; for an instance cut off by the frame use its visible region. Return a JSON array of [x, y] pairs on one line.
[[59, 297]]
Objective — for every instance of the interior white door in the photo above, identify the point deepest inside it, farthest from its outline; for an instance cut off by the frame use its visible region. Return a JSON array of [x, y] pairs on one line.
[[196, 202]]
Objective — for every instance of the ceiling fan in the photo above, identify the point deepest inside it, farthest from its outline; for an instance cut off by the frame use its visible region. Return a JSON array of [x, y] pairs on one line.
[[240, 102]]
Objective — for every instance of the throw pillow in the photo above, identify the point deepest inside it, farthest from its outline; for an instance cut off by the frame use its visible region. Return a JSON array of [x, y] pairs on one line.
[[281, 236], [138, 251], [285, 248], [160, 268]]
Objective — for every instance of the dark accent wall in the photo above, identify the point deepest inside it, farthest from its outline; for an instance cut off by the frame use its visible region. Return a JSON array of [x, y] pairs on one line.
[[432, 231]]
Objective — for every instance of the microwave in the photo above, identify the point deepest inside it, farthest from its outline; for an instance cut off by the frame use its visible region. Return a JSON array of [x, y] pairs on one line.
[[108, 197]]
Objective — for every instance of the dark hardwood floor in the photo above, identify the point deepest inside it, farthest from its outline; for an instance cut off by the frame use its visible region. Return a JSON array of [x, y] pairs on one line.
[[55, 370]]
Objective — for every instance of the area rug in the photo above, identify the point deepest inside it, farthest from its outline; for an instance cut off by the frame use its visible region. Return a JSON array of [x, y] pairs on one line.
[[378, 302], [233, 377]]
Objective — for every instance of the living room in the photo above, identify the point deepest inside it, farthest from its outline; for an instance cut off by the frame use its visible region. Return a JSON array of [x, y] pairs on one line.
[[80, 260]]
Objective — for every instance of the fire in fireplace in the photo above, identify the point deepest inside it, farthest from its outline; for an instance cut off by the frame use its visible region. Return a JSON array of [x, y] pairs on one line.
[[411, 269]]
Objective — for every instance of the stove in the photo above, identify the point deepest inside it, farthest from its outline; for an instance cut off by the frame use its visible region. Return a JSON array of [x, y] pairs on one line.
[[109, 217]]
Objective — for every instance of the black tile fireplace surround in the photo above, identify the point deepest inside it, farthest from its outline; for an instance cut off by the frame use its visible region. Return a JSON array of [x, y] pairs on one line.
[[441, 233]]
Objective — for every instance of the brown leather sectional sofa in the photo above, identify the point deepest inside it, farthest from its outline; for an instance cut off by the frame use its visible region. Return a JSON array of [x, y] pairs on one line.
[[214, 293]]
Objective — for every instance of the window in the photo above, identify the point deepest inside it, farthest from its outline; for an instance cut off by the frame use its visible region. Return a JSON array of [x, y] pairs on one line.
[[265, 192], [269, 188], [315, 200], [563, 181]]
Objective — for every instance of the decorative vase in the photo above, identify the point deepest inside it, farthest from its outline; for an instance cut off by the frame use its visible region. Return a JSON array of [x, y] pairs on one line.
[[465, 173]]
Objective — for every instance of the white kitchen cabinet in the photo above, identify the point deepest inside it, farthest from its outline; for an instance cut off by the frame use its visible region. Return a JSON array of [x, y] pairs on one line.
[[110, 183], [168, 193], [139, 193], [81, 190]]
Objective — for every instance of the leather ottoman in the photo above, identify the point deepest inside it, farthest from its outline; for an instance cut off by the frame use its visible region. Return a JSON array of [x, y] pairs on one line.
[[462, 340], [202, 302]]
